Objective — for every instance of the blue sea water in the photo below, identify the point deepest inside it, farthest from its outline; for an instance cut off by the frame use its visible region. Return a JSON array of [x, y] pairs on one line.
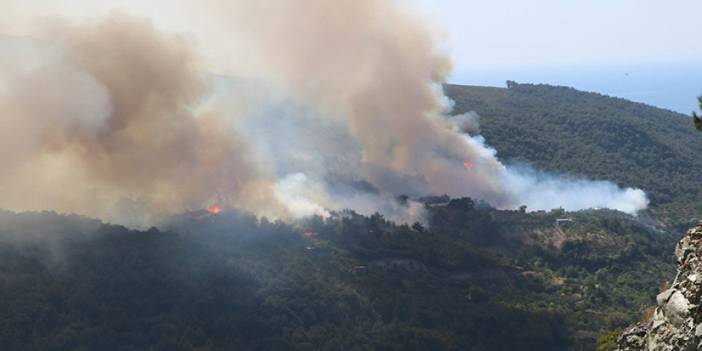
[[670, 85]]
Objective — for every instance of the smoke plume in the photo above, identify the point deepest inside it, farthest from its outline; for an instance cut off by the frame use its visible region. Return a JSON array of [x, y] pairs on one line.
[[326, 105], [102, 122]]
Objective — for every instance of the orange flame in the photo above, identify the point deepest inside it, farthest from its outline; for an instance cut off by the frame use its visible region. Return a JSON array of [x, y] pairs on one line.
[[208, 212], [310, 234], [468, 165]]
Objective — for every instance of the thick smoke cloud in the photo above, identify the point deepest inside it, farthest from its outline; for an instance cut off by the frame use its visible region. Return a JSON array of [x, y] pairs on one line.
[[375, 65], [103, 123], [118, 120], [373, 68]]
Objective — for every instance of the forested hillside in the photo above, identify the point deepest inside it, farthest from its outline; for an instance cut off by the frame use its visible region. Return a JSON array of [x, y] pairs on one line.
[[472, 279], [565, 130]]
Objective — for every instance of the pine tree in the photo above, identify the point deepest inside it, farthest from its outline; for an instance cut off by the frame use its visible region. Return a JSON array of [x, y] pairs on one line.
[[696, 120]]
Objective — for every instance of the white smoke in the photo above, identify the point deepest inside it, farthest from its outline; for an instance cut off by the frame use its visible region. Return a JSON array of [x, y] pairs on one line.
[[541, 190]]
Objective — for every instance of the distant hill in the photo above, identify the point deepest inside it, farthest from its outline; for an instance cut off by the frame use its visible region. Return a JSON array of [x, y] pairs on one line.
[[565, 130]]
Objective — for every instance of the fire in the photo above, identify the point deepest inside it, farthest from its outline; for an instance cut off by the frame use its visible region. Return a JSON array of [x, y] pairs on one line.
[[201, 215], [214, 210], [310, 234], [468, 165]]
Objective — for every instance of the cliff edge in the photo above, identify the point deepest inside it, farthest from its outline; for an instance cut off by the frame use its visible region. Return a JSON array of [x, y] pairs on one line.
[[676, 324]]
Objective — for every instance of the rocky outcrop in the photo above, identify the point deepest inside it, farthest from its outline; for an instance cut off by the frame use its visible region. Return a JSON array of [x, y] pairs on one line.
[[676, 324]]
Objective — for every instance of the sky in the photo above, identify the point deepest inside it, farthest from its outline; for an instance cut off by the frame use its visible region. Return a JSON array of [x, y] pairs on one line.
[[553, 32], [644, 50]]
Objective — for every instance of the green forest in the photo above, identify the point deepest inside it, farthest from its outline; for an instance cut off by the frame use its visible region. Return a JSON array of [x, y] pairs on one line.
[[473, 278]]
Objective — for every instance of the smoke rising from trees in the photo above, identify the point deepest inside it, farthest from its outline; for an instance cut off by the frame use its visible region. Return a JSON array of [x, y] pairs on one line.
[[115, 118]]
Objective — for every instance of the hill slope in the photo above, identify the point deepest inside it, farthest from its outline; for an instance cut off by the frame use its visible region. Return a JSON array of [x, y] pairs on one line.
[[566, 130], [474, 279]]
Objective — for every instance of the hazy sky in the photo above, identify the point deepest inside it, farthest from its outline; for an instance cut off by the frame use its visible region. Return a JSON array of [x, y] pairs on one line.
[[484, 33], [545, 32], [617, 47]]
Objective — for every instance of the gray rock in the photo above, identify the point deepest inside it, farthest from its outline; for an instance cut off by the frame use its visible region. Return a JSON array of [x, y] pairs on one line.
[[662, 298], [677, 309], [633, 339]]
